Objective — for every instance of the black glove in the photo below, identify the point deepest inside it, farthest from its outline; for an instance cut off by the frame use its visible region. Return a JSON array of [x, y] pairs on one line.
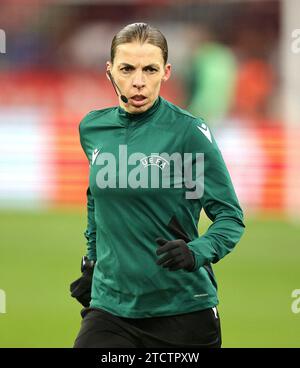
[[178, 255], [81, 288]]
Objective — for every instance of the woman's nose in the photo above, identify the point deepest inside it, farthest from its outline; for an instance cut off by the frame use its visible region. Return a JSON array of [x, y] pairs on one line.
[[138, 80]]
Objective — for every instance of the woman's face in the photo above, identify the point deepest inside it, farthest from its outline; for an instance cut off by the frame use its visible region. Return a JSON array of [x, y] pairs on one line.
[[138, 70]]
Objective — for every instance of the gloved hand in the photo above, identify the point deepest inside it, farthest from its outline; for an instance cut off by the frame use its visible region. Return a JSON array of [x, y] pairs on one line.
[[177, 255], [81, 288]]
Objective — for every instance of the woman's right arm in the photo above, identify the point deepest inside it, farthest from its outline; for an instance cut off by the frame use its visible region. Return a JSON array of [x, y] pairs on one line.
[[90, 233]]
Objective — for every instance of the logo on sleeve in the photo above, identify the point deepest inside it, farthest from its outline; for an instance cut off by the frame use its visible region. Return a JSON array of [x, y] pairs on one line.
[[204, 129], [95, 154]]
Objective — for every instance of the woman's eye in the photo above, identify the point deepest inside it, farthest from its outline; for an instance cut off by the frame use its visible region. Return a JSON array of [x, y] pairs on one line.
[[126, 69]]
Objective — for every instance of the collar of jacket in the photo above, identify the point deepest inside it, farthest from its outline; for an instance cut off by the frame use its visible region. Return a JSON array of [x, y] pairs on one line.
[[129, 117]]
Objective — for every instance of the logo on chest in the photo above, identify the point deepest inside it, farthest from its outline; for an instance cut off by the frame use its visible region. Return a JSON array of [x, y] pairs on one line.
[[154, 160]]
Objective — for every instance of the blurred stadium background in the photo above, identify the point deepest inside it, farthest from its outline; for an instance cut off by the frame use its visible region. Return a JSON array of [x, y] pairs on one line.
[[235, 63]]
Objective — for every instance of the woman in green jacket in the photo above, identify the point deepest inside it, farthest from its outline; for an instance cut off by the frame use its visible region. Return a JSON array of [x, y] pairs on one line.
[[147, 279]]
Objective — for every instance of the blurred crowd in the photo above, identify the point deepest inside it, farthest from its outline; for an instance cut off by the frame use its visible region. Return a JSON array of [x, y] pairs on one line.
[[224, 55]]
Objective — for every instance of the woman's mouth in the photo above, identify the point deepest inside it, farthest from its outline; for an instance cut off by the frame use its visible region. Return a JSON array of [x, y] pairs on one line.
[[138, 100]]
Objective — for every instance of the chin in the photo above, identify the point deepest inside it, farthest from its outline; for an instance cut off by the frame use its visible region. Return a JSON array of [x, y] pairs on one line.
[[136, 109]]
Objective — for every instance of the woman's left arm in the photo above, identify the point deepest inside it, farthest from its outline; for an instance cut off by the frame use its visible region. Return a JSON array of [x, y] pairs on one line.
[[219, 202]]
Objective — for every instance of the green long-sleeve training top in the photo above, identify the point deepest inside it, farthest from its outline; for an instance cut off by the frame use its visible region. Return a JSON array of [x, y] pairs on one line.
[[151, 174]]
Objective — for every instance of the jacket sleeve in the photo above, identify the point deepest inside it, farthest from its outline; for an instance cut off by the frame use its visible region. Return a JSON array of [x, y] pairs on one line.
[[90, 232], [218, 200]]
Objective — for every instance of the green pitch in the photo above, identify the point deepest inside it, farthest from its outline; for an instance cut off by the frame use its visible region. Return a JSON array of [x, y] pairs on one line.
[[40, 256]]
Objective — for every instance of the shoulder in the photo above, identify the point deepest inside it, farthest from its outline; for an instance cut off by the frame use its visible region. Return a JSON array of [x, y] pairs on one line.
[[178, 111], [93, 120], [182, 116], [93, 115], [195, 129]]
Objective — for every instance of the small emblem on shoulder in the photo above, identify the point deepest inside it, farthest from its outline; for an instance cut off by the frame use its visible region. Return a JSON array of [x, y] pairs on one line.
[[95, 154], [204, 129]]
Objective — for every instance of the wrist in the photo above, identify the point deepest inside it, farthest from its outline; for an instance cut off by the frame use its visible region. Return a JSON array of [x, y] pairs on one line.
[[86, 264]]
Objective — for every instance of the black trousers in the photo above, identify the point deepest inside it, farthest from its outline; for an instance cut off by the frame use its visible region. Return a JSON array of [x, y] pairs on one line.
[[101, 329]]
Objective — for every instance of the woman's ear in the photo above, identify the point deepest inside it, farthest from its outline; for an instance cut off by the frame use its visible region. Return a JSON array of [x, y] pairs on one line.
[[167, 74], [108, 68]]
